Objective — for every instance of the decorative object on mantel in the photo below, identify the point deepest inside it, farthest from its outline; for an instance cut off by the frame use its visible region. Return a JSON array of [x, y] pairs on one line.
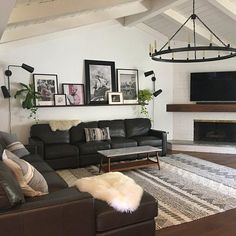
[[62, 124], [118, 190], [144, 97], [59, 100], [198, 51], [100, 79], [47, 86], [127, 83], [29, 96], [7, 91]]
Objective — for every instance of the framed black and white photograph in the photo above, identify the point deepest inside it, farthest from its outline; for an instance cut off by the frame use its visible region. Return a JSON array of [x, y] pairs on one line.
[[47, 86], [74, 94], [100, 79], [115, 98], [127, 83], [59, 99]]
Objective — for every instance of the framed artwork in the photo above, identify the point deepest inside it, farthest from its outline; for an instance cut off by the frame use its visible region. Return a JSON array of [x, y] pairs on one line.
[[59, 99], [115, 98], [47, 86], [100, 79], [74, 94], [127, 83]]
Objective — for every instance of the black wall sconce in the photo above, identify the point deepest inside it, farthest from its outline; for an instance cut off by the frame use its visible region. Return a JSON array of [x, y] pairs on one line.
[[6, 91], [153, 78]]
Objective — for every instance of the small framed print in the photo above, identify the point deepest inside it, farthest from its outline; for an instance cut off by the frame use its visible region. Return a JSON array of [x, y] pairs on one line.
[[74, 94], [60, 99], [115, 98], [47, 86], [127, 81]]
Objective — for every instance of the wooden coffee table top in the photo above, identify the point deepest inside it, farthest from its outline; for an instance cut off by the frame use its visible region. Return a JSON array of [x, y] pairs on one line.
[[128, 151]]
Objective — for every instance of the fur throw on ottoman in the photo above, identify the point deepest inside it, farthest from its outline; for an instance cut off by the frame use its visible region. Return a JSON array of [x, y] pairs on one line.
[[117, 189]]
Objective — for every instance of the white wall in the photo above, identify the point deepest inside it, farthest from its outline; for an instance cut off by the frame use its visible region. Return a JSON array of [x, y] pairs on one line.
[[63, 53], [183, 122]]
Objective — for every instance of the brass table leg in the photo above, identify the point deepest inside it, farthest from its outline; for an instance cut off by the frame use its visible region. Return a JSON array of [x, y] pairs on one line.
[[101, 161], [109, 164], [158, 163]]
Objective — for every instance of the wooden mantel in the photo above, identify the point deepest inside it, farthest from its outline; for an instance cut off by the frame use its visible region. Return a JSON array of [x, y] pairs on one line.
[[201, 107]]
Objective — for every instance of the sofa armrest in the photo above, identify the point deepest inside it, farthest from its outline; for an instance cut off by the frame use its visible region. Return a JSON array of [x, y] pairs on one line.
[[65, 212], [163, 136], [39, 145]]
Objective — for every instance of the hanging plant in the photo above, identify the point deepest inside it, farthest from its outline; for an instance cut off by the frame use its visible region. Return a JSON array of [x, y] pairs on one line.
[[144, 97], [28, 96]]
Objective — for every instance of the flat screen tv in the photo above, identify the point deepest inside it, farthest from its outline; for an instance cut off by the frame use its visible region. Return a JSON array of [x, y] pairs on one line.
[[213, 86]]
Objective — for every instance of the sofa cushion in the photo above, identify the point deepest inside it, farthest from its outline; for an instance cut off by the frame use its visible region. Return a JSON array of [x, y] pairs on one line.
[[116, 127], [122, 143], [31, 158], [136, 127], [77, 133], [97, 134], [10, 142], [54, 181], [148, 140], [56, 151], [44, 133], [10, 191], [93, 147], [107, 218], [30, 180]]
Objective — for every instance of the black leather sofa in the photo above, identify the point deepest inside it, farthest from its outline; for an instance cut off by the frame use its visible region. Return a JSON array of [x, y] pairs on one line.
[[69, 149], [65, 211]]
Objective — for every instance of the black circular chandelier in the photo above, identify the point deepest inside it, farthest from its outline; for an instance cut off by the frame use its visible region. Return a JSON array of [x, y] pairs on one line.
[[168, 54]]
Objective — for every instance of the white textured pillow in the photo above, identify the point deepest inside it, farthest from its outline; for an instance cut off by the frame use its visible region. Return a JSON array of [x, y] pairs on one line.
[[30, 180]]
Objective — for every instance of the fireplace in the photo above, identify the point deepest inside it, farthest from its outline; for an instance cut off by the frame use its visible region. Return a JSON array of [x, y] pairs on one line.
[[215, 130]]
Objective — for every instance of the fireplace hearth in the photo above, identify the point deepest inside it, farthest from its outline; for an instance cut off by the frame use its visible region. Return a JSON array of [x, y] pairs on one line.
[[215, 131]]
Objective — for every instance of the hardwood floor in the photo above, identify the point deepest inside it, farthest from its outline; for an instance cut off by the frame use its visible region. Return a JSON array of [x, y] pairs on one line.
[[222, 224]]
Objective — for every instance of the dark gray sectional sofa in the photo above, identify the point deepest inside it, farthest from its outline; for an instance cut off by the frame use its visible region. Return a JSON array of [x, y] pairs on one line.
[[69, 149]]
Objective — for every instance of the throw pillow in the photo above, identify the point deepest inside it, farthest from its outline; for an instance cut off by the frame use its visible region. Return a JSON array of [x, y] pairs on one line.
[[10, 191], [30, 180], [97, 134], [12, 144]]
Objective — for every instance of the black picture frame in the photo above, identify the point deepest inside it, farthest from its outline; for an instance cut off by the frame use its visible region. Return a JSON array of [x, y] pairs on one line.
[[128, 84], [47, 86], [75, 97], [100, 79]]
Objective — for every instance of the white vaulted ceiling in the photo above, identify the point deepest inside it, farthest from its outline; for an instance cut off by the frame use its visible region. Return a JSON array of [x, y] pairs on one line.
[[27, 18]]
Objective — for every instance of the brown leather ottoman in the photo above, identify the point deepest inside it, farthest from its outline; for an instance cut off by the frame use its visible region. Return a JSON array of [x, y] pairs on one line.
[[110, 222]]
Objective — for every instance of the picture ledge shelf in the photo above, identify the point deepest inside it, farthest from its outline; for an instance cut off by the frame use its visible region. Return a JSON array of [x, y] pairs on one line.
[[92, 105], [207, 107]]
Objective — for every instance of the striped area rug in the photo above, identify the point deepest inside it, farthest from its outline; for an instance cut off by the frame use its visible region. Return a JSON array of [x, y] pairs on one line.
[[186, 188]]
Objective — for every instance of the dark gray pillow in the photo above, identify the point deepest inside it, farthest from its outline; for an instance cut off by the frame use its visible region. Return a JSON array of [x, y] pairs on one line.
[[1, 151], [10, 142], [10, 191]]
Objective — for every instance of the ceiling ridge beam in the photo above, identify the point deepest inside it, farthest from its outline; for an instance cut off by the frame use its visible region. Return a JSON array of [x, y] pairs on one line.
[[201, 31], [156, 7]]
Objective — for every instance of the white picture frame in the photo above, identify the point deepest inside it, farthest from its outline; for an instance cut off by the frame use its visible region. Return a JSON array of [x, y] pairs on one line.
[[115, 98]]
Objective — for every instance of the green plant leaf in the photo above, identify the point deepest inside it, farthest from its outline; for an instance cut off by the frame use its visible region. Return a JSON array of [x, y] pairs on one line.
[[19, 92]]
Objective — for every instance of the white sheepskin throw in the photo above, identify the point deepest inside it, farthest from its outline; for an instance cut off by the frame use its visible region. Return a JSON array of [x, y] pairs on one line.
[[62, 124], [117, 189]]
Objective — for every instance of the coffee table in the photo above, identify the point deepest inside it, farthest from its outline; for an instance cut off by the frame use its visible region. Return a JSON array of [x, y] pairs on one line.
[[127, 165]]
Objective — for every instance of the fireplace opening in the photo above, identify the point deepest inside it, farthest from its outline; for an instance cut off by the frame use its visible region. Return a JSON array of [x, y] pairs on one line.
[[215, 131]]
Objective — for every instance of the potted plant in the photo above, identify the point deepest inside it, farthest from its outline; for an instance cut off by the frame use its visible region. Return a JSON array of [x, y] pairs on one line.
[[28, 96], [144, 97]]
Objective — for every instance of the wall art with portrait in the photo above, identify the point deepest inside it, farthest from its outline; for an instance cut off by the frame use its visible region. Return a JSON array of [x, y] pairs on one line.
[[74, 94], [127, 83], [100, 79], [47, 86]]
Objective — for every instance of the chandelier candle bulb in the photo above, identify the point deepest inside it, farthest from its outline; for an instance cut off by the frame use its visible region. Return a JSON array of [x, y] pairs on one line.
[[211, 38], [155, 45]]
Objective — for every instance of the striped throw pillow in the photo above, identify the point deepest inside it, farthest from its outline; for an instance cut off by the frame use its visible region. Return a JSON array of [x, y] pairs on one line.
[[12, 144], [30, 180], [97, 134]]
